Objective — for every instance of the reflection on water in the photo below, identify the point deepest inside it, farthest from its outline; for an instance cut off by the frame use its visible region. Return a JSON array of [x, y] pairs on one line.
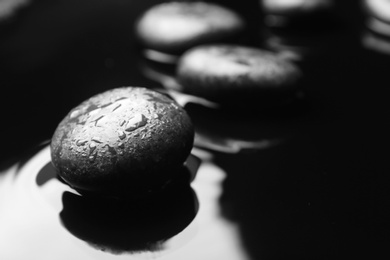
[[298, 30], [376, 30], [375, 42], [234, 131], [278, 198], [166, 80], [161, 74], [42, 214], [121, 226], [46, 174], [160, 57]]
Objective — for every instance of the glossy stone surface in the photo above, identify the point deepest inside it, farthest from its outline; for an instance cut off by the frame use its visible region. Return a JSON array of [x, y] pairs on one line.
[[122, 141]]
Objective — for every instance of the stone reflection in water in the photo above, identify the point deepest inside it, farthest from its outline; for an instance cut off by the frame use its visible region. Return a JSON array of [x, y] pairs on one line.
[[46, 174], [120, 226], [165, 77], [375, 42], [163, 74], [376, 29], [298, 30], [233, 131], [133, 226]]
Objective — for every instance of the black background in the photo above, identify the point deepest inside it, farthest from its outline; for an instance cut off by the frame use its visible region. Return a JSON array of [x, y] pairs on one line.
[[321, 195]]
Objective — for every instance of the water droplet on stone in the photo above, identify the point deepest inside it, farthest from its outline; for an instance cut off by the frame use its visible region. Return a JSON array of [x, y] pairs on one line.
[[116, 107], [92, 147], [97, 120], [93, 113], [81, 142], [121, 135], [136, 122], [96, 139], [112, 151], [74, 114]]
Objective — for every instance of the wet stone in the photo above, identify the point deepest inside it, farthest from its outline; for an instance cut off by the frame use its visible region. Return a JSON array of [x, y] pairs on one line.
[[92, 147], [116, 107], [97, 120], [121, 135], [136, 122], [74, 114], [81, 142], [96, 139], [93, 113]]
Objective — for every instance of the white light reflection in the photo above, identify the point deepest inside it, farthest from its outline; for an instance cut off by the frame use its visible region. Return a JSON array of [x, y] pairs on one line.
[[376, 32], [378, 8], [8, 8], [217, 238], [372, 42], [31, 228]]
